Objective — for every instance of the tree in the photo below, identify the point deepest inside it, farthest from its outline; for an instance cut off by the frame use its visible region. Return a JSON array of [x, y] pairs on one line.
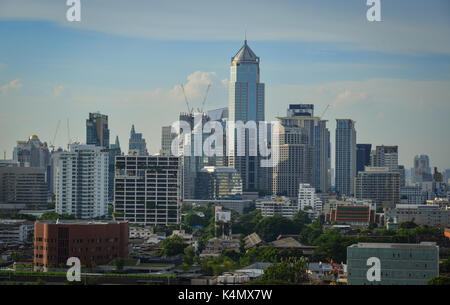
[[189, 254], [173, 246], [439, 280], [119, 263], [291, 270], [270, 227]]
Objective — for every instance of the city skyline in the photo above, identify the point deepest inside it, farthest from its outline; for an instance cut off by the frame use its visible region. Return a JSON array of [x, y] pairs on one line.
[[69, 70]]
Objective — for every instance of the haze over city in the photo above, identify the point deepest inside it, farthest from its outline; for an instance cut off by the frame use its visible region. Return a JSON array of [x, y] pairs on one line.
[[127, 60]]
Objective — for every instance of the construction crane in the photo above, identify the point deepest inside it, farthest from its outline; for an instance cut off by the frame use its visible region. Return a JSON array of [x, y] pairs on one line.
[[186, 99], [323, 113], [52, 144], [68, 134], [204, 98]]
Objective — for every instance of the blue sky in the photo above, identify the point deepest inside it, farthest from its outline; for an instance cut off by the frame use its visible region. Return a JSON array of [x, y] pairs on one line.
[[127, 58]]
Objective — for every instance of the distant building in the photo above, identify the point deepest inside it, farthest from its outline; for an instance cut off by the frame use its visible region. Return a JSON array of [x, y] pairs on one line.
[[307, 198], [378, 184], [148, 190], [167, 137], [277, 206], [421, 214], [15, 231], [422, 170], [400, 264], [137, 145], [218, 183], [355, 215], [295, 160], [97, 132], [362, 156], [386, 156], [32, 153], [318, 137], [345, 169], [412, 195], [215, 246], [81, 181], [90, 241], [23, 186], [238, 205]]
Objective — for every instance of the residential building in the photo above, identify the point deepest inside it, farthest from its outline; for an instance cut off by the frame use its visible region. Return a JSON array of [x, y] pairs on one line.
[[93, 242], [25, 186], [81, 181], [412, 195], [400, 264], [147, 190], [345, 169], [378, 184], [15, 231], [386, 156], [307, 198], [238, 205], [277, 206]]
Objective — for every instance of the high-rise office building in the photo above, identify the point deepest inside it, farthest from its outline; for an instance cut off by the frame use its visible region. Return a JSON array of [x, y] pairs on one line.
[[246, 103], [345, 156], [422, 170], [218, 183], [80, 178], [97, 132], [302, 116], [137, 144], [295, 161], [362, 156], [24, 186], [378, 184], [148, 190], [32, 153]]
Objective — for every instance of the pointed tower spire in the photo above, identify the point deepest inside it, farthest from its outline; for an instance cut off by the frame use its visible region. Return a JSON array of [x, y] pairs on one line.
[[132, 130], [117, 141]]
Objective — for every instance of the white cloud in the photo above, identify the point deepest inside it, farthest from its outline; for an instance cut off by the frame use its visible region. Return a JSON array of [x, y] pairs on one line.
[[15, 84]]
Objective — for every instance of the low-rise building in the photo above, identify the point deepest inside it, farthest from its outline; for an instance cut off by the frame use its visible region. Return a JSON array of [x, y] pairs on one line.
[[15, 231], [98, 242], [399, 264], [277, 206], [421, 214], [215, 246]]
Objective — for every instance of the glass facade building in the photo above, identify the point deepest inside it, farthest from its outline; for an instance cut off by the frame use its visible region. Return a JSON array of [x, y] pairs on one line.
[[345, 156]]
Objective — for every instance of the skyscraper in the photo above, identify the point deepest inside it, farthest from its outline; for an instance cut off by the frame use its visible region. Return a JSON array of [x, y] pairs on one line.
[[97, 132], [422, 170], [362, 156], [81, 181], [167, 137], [295, 160], [32, 153], [302, 115], [345, 156], [136, 144], [246, 103]]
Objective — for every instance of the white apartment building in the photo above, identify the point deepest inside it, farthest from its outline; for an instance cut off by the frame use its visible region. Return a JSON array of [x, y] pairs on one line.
[[15, 231], [307, 197], [81, 181], [277, 206]]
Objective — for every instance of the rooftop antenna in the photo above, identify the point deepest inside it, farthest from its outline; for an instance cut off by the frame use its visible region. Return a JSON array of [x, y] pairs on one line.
[[68, 134]]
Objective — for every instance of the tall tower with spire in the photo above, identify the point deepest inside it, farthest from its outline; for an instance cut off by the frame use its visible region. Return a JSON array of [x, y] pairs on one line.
[[136, 144], [246, 103]]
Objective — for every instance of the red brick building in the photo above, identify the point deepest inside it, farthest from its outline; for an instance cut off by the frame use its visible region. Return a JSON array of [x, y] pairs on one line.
[[91, 241]]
